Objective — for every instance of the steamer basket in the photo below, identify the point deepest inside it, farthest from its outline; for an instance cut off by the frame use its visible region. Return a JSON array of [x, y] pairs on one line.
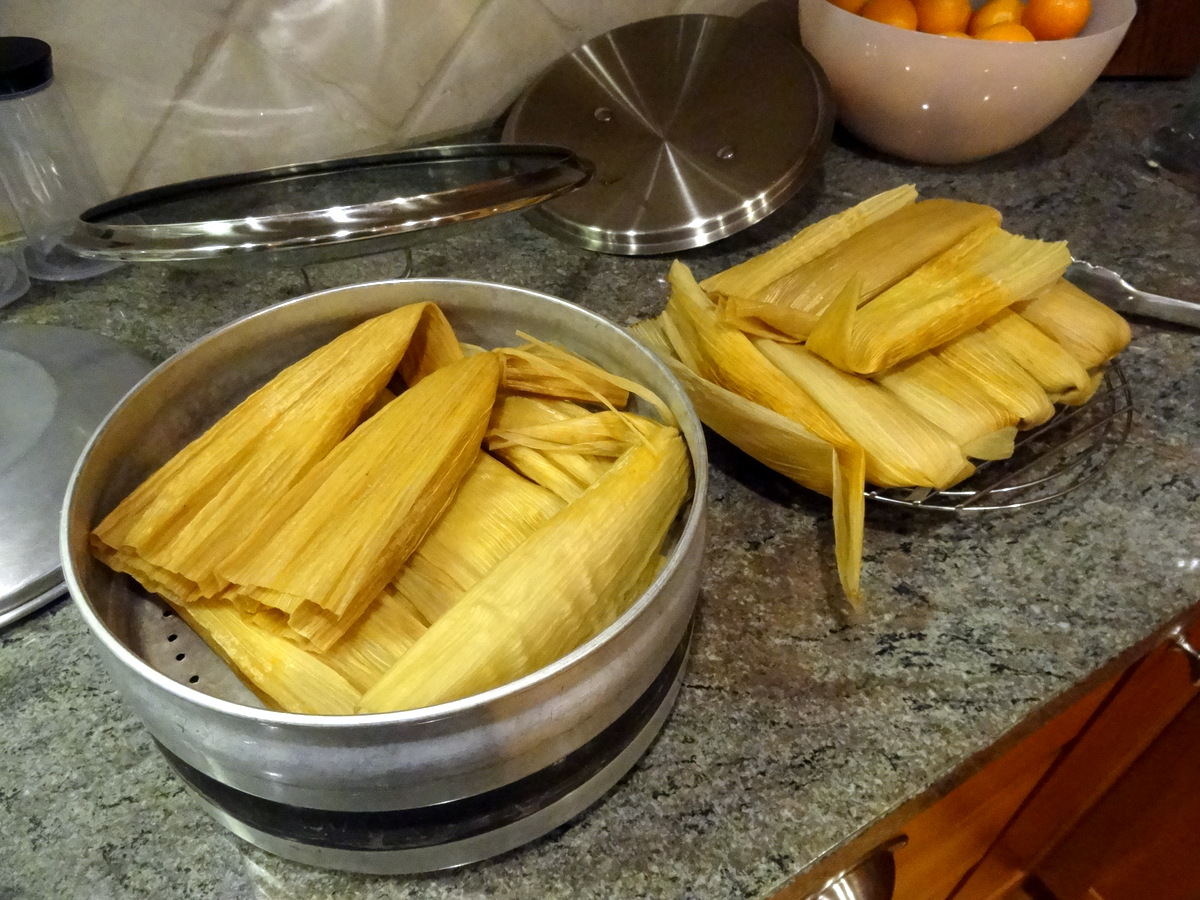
[[396, 792]]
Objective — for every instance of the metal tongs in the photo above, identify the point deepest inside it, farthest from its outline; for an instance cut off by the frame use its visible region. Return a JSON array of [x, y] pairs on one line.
[[1110, 288]]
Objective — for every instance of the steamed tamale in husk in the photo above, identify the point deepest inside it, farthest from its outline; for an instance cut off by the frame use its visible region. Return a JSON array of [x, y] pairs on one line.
[[893, 342], [364, 506]]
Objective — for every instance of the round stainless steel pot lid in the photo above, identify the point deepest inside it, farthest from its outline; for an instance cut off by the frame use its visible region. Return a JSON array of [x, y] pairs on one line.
[[56, 385], [698, 126], [325, 210]]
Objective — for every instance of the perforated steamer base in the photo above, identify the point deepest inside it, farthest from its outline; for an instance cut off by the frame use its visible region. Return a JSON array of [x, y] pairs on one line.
[[430, 838]]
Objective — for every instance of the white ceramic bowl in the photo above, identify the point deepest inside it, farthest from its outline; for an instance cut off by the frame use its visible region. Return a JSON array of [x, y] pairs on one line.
[[938, 99]]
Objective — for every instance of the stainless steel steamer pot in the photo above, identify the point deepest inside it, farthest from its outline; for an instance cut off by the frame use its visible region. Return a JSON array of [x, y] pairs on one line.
[[214, 729]]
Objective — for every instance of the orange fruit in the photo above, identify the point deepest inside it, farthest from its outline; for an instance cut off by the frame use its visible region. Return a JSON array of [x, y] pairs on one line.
[[1006, 31], [900, 13], [957, 34], [940, 16], [995, 12], [1054, 20], [852, 6]]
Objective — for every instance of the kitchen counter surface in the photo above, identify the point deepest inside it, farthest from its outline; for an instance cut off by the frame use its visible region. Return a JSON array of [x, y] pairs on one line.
[[797, 731]]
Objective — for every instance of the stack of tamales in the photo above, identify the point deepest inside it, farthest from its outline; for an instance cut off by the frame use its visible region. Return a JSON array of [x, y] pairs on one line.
[[398, 520], [892, 343]]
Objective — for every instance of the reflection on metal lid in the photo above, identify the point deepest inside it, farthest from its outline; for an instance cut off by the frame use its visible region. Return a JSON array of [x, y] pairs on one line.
[[325, 210], [698, 127], [56, 385]]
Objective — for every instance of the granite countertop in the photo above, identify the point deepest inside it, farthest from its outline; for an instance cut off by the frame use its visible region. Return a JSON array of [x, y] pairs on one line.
[[797, 733]]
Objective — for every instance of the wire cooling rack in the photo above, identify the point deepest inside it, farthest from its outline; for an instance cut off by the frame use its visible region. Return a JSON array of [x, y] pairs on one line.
[[1049, 461]]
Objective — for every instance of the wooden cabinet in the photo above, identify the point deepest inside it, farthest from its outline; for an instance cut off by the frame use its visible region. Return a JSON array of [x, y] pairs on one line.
[[1163, 41], [1089, 803], [1142, 838]]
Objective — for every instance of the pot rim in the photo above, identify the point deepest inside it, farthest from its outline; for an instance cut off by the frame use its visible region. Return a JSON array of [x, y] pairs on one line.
[[692, 527]]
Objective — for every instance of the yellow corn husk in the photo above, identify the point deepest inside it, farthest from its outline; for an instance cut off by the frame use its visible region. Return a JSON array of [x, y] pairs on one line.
[[902, 448], [190, 513], [879, 255], [565, 472], [1059, 373], [756, 274], [382, 634], [951, 294], [561, 586], [604, 433], [282, 673], [1080, 397], [1084, 327], [494, 510], [757, 318], [550, 371], [982, 362], [785, 446], [983, 427], [367, 505], [721, 354]]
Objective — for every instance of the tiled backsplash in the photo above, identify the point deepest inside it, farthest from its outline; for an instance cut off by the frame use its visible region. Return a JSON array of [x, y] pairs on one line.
[[172, 89]]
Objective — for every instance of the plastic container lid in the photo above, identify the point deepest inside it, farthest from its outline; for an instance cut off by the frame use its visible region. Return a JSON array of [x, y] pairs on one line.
[[25, 65]]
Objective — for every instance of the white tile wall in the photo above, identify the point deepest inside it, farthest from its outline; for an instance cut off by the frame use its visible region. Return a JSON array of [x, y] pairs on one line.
[[173, 89]]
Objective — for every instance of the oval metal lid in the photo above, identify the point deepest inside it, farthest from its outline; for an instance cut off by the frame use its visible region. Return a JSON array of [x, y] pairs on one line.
[[325, 210], [698, 126], [56, 386]]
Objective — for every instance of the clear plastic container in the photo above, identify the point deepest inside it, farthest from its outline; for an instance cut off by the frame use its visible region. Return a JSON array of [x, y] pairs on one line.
[[44, 164], [14, 280]]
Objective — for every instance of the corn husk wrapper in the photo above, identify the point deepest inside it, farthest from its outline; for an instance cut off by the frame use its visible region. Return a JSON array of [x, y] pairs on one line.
[[546, 370], [902, 448], [1083, 326], [367, 505], [380, 636], [193, 511], [951, 294], [1059, 374], [749, 278], [785, 446], [978, 359], [983, 427], [495, 509], [723, 355], [879, 256], [283, 674], [563, 470], [563, 585]]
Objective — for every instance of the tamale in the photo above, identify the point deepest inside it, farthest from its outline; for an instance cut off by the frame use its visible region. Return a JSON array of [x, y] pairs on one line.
[[785, 446], [952, 293], [902, 448], [284, 674], [561, 586], [191, 512], [747, 279], [983, 363], [983, 427], [382, 634], [721, 354], [1059, 373], [493, 511], [367, 504], [879, 255], [1084, 327]]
